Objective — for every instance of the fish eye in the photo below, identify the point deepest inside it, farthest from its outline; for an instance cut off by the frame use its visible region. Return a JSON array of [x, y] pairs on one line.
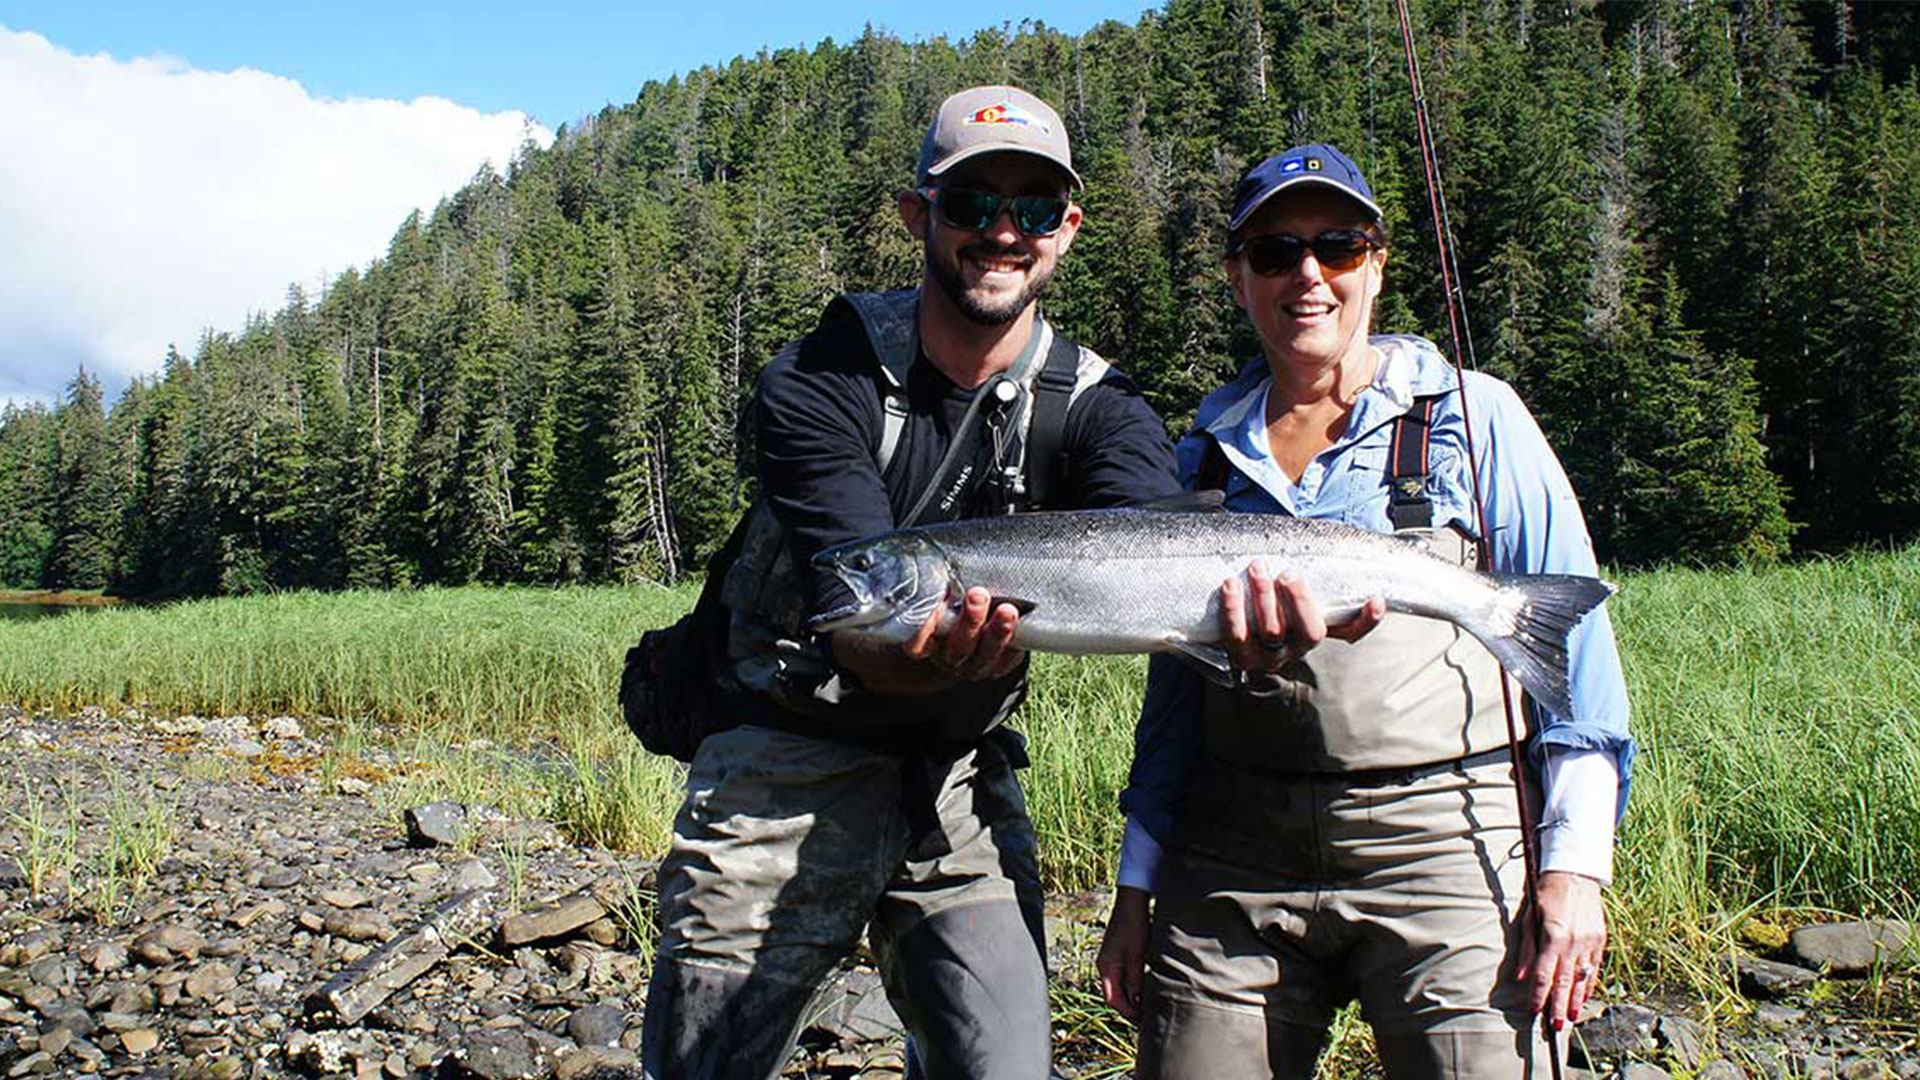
[[863, 561]]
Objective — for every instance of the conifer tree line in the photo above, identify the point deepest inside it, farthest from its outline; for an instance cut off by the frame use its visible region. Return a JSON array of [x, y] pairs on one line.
[[1689, 234]]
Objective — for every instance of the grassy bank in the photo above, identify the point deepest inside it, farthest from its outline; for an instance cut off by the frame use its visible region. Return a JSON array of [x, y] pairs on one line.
[[1778, 713], [59, 597]]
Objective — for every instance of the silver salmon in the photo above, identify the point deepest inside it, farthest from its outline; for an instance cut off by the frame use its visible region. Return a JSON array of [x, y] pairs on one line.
[[1145, 580]]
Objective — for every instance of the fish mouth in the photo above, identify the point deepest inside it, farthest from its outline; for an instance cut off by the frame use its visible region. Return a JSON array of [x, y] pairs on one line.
[[846, 616]]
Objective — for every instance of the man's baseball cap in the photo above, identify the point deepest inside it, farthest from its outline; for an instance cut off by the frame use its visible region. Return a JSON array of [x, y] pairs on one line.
[[1315, 163], [987, 119]]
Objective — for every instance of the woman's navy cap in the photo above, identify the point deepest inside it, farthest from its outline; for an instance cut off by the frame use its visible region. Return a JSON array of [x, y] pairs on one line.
[[1315, 163]]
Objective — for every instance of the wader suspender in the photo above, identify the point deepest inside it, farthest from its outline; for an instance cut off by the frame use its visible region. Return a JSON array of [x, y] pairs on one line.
[[1407, 470], [1047, 430], [1407, 504]]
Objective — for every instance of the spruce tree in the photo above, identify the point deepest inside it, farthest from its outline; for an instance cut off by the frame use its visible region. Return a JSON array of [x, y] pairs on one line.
[[84, 524]]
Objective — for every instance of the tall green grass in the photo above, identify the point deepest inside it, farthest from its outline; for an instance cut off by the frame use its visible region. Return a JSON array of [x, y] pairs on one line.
[[499, 663], [459, 683], [1778, 713]]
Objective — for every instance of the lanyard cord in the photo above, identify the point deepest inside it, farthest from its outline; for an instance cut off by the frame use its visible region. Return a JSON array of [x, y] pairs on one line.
[[1463, 348]]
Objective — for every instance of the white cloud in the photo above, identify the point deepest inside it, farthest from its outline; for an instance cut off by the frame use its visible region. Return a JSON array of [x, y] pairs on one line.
[[142, 200]]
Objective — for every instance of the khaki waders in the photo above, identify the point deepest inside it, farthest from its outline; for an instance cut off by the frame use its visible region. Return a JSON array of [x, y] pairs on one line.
[[1353, 834]]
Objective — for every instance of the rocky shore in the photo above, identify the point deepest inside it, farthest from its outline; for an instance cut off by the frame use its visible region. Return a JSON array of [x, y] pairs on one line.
[[221, 898]]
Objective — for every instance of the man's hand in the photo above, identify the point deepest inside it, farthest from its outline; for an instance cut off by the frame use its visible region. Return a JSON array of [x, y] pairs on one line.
[[1123, 951], [1561, 956], [1274, 620], [979, 644]]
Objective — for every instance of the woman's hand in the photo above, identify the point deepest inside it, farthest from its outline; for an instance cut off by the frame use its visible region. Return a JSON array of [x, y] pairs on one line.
[[1274, 620], [1562, 957], [1123, 951]]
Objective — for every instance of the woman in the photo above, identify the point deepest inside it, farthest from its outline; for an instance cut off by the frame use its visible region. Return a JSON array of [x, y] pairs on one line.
[[1348, 827]]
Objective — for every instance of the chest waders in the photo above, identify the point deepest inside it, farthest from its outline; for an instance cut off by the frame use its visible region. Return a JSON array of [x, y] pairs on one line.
[[1414, 692], [1351, 834]]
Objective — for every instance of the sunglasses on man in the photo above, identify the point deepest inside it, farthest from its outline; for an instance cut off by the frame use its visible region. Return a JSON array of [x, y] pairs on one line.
[[976, 211], [1337, 250]]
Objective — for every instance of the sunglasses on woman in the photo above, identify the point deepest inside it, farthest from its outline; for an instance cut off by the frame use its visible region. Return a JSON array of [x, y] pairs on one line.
[[976, 211], [1338, 250]]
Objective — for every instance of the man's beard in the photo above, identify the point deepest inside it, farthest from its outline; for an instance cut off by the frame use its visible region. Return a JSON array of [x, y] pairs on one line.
[[952, 281]]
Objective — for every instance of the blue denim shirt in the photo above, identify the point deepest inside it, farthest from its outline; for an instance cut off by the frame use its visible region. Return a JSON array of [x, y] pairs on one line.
[[1534, 519]]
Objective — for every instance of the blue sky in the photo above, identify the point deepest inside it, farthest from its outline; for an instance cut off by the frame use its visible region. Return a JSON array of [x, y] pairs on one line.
[[171, 167], [553, 61]]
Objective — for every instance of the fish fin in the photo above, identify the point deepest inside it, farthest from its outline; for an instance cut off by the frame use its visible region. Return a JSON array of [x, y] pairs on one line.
[[1209, 660], [1535, 651], [1188, 502], [1023, 606]]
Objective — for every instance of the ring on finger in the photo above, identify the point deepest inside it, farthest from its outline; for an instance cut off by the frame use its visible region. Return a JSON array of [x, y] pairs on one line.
[[1583, 971]]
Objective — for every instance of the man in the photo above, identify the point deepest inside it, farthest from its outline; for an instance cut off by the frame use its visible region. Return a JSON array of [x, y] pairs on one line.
[[872, 789]]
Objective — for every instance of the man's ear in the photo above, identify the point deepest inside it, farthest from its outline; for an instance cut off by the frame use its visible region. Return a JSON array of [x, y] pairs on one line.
[[913, 212], [1069, 227]]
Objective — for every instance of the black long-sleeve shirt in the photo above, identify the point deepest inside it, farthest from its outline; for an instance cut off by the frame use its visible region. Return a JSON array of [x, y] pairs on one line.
[[819, 415]]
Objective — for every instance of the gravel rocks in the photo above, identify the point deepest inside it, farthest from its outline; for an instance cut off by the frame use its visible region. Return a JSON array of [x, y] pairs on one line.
[[288, 931]]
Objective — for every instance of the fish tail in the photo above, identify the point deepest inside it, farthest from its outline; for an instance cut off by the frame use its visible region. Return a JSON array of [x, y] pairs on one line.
[[1526, 629]]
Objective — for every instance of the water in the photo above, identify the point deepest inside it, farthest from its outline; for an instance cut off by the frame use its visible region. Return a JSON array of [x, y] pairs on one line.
[[13, 610]]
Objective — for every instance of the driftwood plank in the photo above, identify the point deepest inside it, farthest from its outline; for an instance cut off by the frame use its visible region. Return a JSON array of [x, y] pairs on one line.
[[358, 990]]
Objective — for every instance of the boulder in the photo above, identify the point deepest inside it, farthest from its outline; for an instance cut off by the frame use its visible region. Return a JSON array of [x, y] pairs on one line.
[[437, 824], [1683, 1039], [573, 913], [1770, 978], [1852, 949], [854, 1009], [1621, 1031], [104, 956], [501, 1054], [166, 943], [139, 1041], [597, 1063], [597, 1025]]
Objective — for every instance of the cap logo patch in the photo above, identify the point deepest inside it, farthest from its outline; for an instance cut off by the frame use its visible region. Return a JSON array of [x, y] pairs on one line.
[[1313, 164], [1006, 112], [1290, 166]]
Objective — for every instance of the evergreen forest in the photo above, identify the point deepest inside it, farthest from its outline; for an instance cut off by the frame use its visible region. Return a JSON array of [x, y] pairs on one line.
[[1689, 234]]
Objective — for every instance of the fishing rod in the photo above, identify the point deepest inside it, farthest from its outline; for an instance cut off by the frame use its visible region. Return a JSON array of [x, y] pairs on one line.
[[1463, 354]]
